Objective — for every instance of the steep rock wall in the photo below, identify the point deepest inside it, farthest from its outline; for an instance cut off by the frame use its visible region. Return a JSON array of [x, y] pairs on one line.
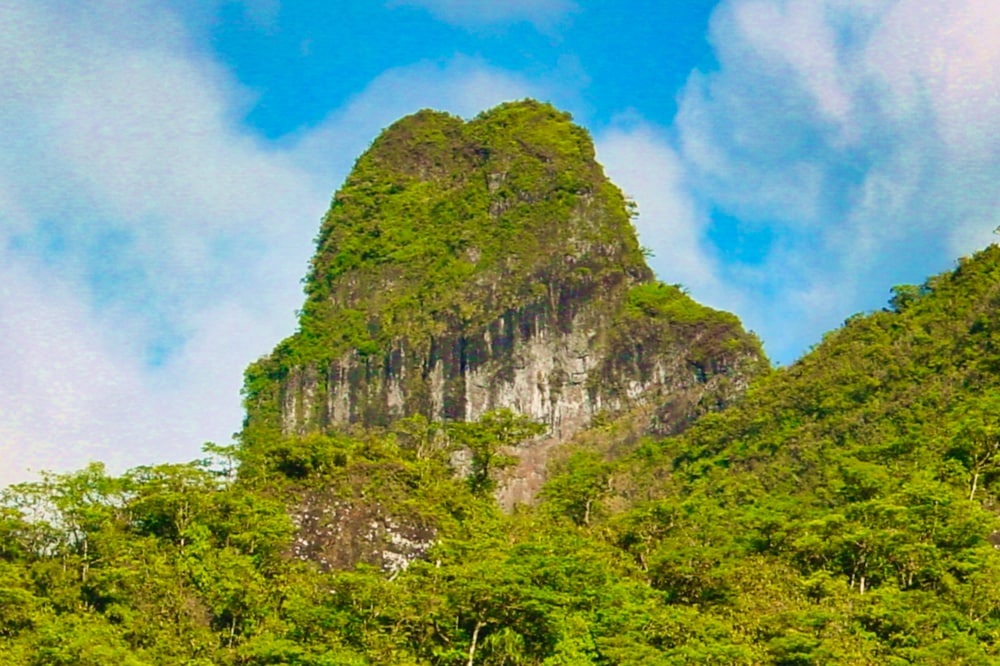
[[532, 360], [559, 373]]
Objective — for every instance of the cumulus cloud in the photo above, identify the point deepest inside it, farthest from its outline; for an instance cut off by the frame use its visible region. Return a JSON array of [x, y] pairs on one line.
[[474, 13], [638, 157], [865, 133], [132, 207]]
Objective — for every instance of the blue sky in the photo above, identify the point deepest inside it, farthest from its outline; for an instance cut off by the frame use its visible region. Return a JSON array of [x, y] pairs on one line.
[[164, 165]]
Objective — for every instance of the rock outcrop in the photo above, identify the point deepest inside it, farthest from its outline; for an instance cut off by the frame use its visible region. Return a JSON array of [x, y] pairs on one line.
[[468, 267]]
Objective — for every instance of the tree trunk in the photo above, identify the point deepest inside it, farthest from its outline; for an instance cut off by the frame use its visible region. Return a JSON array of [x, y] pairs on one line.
[[475, 639]]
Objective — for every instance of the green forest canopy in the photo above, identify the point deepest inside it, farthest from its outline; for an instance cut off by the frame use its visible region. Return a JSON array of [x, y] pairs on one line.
[[841, 513]]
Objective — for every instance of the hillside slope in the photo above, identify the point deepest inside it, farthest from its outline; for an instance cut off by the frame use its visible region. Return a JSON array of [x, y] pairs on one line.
[[844, 511]]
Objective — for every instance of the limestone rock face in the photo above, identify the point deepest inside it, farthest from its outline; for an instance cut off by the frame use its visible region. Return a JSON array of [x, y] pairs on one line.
[[523, 361], [471, 266], [337, 533]]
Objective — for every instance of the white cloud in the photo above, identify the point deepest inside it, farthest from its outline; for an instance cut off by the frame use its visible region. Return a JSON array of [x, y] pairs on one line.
[[773, 30], [640, 160], [474, 13], [864, 133], [76, 389], [136, 215], [60, 377]]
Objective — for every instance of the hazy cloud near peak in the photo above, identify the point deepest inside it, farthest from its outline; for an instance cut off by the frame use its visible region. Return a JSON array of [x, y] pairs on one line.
[[638, 158], [463, 86]]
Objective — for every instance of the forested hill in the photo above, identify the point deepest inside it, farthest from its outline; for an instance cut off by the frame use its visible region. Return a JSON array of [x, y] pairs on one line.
[[844, 511], [468, 267], [839, 513]]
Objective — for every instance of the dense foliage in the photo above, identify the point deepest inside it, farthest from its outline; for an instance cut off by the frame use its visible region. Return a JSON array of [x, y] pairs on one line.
[[443, 222], [841, 513]]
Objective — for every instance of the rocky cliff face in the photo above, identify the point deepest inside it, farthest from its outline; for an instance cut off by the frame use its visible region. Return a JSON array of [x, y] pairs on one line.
[[467, 267]]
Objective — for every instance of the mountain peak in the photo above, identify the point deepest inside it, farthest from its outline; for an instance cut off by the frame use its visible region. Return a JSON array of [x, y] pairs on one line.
[[472, 266]]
